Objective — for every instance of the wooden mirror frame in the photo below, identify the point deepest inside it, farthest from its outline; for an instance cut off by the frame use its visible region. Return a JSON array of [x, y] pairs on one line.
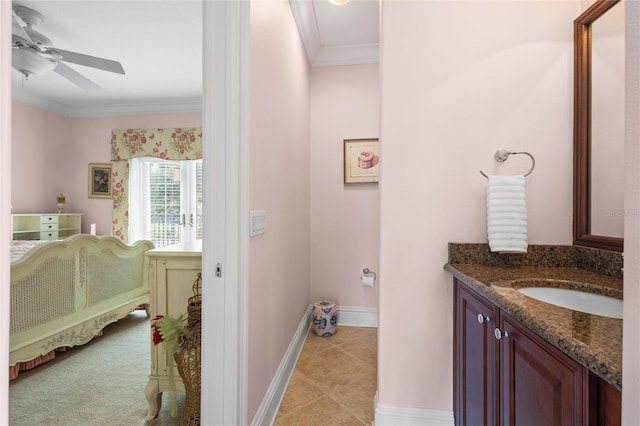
[[582, 131]]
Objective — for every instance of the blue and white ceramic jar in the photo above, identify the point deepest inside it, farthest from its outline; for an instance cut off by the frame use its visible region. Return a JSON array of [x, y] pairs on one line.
[[325, 318]]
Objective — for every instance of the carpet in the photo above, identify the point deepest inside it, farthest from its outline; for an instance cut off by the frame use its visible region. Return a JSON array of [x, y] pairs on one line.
[[100, 383]]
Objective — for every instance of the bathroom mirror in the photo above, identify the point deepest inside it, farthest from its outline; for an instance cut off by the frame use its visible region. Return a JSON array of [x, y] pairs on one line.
[[598, 193]]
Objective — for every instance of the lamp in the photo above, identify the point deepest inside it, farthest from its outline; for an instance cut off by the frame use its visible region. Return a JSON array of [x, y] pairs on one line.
[[339, 2], [62, 200], [29, 62]]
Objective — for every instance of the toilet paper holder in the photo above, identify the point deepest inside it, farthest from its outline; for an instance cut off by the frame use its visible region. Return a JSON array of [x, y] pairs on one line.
[[366, 271]]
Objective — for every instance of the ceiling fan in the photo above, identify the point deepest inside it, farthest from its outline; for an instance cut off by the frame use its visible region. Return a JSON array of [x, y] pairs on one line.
[[33, 53]]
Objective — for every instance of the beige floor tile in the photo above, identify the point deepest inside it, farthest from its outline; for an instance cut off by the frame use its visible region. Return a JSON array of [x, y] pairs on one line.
[[300, 392], [316, 343], [333, 367], [321, 412], [334, 382], [364, 348], [347, 334], [358, 397]]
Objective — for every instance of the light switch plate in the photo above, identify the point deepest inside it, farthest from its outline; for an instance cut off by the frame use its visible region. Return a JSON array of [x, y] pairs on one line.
[[257, 223]]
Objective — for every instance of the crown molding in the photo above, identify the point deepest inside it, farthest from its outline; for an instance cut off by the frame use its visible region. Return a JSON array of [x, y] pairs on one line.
[[318, 55], [161, 106]]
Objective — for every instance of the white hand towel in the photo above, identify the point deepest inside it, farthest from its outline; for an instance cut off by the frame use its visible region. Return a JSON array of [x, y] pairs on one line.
[[507, 214]]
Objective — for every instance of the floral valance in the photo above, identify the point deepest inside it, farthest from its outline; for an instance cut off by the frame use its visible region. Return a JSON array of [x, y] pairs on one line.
[[168, 144]]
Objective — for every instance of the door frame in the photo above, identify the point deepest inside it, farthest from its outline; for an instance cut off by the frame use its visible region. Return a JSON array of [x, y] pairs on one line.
[[225, 155], [5, 201]]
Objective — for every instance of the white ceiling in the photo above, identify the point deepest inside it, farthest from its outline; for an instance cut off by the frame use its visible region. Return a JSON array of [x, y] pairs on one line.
[[159, 44], [338, 35]]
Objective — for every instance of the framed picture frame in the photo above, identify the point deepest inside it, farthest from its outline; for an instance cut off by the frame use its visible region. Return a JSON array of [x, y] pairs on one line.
[[99, 180], [361, 160]]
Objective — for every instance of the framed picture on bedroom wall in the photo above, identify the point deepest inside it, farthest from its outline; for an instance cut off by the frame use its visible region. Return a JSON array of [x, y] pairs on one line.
[[361, 160], [99, 180]]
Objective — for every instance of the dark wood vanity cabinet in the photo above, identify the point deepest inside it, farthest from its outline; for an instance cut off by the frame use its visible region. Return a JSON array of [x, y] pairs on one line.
[[476, 359], [504, 374], [538, 383]]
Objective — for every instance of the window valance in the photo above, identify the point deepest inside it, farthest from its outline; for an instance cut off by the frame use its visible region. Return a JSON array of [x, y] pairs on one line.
[[168, 144]]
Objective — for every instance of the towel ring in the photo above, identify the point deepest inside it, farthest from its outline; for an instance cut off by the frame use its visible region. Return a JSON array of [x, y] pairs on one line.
[[501, 156]]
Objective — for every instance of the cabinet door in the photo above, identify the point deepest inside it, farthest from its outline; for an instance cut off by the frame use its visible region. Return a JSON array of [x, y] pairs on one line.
[[171, 287], [605, 403], [540, 385], [475, 359]]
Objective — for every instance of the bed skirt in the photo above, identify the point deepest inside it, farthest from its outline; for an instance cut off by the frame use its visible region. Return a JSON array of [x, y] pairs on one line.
[[14, 370]]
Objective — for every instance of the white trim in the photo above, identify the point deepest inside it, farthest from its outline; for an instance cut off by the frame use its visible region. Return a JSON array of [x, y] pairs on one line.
[[305, 17], [226, 224], [159, 106], [347, 55], [356, 316], [5, 201], [268, 410], [394, 416], [318, 55]]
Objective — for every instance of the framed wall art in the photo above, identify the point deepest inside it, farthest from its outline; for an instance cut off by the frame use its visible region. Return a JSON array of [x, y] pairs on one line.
[[99, 180], [361, 160]]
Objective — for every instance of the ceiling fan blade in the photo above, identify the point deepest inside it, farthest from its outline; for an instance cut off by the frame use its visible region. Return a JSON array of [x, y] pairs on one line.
[[76, 78], [18, 30], [91, 61]]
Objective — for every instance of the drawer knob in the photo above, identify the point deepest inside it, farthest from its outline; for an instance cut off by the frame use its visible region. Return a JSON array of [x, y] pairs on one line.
[[482, 319], [500, 334]]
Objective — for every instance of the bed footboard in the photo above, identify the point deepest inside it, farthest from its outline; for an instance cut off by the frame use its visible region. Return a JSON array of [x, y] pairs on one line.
[[63, 293]]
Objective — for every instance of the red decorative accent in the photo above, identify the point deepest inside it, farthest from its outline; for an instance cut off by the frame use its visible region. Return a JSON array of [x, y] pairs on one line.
[[157, 337]]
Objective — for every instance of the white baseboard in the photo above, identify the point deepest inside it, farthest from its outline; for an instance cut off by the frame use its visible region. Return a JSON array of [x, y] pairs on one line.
[[268, 410], [394, 416], [356, 316]]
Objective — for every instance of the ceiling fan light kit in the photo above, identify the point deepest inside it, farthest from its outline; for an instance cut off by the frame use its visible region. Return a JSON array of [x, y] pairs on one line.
[[28, 62], [33, 53]]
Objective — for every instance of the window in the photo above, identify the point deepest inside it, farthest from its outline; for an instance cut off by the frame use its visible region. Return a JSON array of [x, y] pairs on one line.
[[165, 204]]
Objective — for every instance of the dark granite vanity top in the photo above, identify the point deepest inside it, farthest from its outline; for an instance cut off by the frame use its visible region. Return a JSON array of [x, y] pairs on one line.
[[592, 340]]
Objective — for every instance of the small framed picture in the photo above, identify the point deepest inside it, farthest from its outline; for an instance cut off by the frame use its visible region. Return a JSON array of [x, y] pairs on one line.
[[99, 180], [361, 160]]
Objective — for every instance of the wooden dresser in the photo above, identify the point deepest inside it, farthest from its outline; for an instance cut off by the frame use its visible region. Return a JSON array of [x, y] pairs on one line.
[[173, 270], [45, 226]]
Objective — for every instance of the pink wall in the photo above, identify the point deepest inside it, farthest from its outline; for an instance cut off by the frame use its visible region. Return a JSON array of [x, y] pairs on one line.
[[631, 339], [279, 184], [41, 149], [58, 151], [345, 102], [452, 94]]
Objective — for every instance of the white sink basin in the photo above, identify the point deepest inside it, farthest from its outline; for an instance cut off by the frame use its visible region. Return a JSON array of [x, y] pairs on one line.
[[577, 300]]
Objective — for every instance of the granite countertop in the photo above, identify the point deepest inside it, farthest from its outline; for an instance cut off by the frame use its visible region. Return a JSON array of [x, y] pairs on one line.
[[592, 340]]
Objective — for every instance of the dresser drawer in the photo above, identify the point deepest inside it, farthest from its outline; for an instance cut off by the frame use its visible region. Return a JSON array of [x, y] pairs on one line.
[[50, 235], [49, 219], [48, 227]]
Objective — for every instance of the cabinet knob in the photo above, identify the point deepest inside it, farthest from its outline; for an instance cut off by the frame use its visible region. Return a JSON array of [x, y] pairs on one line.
[[482, 319], [500, 334]]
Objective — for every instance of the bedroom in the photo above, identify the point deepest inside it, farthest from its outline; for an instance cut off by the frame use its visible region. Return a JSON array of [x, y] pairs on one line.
[[59, 138]]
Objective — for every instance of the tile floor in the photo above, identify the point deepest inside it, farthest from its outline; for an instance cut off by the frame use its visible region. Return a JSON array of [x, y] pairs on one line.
[[334, 381]]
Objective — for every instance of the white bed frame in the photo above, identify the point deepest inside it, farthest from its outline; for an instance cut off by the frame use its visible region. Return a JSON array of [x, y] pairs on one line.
[[63, 293]]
